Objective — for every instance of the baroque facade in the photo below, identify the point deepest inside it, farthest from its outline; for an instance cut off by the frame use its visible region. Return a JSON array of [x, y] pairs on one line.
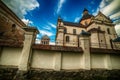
[[100, 27], [63, 61]]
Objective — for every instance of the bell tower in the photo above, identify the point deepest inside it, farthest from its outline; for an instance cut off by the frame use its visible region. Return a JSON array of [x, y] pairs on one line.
[[86, 18], [60, 32]]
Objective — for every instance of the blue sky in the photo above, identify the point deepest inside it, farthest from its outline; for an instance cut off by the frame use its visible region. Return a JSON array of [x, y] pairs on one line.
[[43, 14]]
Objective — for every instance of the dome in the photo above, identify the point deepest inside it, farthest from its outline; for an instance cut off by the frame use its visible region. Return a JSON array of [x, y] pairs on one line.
[[45, 37]]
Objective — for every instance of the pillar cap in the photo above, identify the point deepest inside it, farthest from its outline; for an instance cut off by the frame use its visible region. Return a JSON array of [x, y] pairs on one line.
[[31, 29]]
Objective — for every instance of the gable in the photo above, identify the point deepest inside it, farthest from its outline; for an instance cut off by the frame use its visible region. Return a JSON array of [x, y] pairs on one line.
[[102, 17]]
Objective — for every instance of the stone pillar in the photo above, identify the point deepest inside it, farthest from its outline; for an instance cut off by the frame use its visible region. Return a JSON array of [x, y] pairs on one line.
[[84, 40], [57, 61], [26, 51]]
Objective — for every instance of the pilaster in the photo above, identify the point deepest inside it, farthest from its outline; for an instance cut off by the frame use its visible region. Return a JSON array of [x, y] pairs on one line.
[[26, 51], [85, 44]]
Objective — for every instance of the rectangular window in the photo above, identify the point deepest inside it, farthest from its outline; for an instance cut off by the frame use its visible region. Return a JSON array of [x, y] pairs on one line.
[[67, 39], [74, 31], [65, 31], [108, 30]]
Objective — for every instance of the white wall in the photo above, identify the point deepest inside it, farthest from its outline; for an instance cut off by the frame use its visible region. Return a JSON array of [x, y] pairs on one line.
[[115, 61], [98, 61], [42, 59], [10, 56], [71, 60]]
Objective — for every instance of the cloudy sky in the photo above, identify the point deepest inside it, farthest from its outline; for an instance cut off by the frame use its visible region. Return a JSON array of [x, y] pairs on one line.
[[43, 14]]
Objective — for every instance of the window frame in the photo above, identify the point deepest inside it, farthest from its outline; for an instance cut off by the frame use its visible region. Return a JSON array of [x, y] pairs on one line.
[[67, 38], [74, 31]]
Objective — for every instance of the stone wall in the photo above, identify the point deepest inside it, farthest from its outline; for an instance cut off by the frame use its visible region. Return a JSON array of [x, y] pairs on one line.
[[98, 74], [8, 73]]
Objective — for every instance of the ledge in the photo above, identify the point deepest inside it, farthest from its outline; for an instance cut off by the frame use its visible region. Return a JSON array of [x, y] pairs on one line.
[[57, 48], [8, 43], [31, 29], [106, 51]]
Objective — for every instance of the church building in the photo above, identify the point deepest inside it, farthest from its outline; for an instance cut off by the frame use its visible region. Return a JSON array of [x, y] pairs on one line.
[[100, 27]]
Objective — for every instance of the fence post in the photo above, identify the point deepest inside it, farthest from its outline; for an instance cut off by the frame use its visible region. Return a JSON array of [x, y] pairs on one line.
[[85, 44]]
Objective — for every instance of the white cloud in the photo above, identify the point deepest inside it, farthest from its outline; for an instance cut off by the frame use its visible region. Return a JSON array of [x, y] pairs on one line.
[[52, 25], [27, 21], [60, 3], [117, 27], [21, 7], [96, 12], [77, 19], [115, 16], [47, 27], [37, 41], [44, 32], [111, 7]]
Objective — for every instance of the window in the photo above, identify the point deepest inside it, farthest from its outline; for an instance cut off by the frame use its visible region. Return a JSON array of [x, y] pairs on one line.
[[13, 27], [99, 27], [108, 30], [74, 31], [65, 31], [67, 39], [111, 43], [86, 23]]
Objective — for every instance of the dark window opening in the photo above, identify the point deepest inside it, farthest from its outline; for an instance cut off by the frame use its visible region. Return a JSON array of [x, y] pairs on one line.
[[65, 31], [13, 27], [67, 39], [108, 30], [99, 27], [111, 43]]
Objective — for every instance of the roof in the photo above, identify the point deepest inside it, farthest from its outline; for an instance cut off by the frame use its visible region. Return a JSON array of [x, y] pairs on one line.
[[10, 43], [72, 24], [86, 16], [85, 10], [57, 48], [104, 51], [117, 39], [45, 37]]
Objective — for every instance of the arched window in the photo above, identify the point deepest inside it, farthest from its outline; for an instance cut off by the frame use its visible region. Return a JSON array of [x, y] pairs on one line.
[[67, 39]]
